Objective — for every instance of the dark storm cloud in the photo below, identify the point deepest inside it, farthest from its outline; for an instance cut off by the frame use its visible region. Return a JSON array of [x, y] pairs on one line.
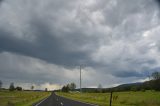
[[1, 1], [51, 44], [154, 69], [158, 1], [131, 73], [115, 37], [47, 47]]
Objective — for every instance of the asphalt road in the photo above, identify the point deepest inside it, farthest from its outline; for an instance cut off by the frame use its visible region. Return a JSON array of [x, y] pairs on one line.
[[54, 100]]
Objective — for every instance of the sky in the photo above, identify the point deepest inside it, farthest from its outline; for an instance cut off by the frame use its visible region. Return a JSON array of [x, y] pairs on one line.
[[44, 42]]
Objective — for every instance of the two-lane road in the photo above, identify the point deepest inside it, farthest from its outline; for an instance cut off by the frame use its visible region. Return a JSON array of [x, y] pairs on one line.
[[54, 100]]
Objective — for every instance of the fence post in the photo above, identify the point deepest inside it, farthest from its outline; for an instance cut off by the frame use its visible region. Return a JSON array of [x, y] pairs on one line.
[[111, 99]]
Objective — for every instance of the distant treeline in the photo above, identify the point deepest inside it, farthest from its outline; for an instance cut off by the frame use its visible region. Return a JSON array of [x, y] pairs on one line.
[[152, 84], [18, 88]]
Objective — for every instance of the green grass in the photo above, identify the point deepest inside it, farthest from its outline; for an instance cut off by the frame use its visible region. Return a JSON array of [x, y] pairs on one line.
[[148, 98], [21, 98]]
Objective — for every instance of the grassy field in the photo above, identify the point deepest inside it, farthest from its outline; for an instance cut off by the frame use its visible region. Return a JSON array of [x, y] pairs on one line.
[[148, 98], [21, 98]]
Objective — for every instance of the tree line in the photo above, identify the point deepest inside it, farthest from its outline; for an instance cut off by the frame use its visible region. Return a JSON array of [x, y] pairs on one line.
[[152, 84], [17, 88], [68, 87], [11, 87]]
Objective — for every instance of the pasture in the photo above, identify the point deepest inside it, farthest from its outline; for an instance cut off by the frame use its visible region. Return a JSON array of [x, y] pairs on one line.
[[148, 98], [21, 98]]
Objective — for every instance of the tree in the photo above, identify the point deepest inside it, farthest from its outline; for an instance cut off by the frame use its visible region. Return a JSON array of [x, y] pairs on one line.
[[32, 87], [1, 84], [11, 87], [156, 81], [72, 86], [68, 87], [19, 88], [156, 75], [46, 89], [65, 89]]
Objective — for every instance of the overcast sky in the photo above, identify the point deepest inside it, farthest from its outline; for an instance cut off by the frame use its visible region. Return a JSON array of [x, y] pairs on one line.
[[42, 42]]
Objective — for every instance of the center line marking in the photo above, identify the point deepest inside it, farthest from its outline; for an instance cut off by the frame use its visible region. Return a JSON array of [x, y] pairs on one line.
[[61, 103]]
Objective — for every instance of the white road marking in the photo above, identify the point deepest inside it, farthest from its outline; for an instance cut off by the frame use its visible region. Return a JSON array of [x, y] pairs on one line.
[[77, 101], [42, 101], [61, 103]]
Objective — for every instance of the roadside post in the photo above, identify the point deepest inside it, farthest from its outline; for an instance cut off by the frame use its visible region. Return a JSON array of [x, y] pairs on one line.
[[111, 98]]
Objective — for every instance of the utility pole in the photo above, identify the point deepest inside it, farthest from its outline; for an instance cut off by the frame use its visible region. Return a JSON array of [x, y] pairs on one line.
[[80, 79]]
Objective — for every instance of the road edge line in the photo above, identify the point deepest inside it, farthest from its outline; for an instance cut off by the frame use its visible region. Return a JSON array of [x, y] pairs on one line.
[[42, 101], [78, 101]]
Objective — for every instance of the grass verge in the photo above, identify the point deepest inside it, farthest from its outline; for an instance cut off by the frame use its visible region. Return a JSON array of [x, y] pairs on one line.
[[21, 98], [148, 98]]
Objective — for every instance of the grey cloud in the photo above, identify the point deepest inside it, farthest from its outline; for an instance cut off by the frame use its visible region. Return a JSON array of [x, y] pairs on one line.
[[47, 47], [131, 73], [51, 44], [125, 8], [158, 1], [154, 69], [1, 1], [106, 35], [25, 69]]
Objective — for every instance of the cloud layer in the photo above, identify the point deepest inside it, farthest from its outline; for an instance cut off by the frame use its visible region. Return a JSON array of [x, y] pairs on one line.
[[41, 41]]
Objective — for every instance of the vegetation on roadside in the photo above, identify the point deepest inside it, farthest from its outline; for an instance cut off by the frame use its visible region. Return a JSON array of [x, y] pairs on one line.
[[134, 94], [69, 87], [148, 98], [21, 98]]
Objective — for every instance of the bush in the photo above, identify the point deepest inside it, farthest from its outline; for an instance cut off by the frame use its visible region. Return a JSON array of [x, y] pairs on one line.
[[65, 89], [19, 88], [11, 87]]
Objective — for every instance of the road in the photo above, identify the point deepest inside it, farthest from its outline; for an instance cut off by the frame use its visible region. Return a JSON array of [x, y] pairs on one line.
[[54, 100]]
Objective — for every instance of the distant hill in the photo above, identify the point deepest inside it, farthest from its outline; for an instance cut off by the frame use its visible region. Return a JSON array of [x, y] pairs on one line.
[[123, 87], [138, 86], [130, 84]]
